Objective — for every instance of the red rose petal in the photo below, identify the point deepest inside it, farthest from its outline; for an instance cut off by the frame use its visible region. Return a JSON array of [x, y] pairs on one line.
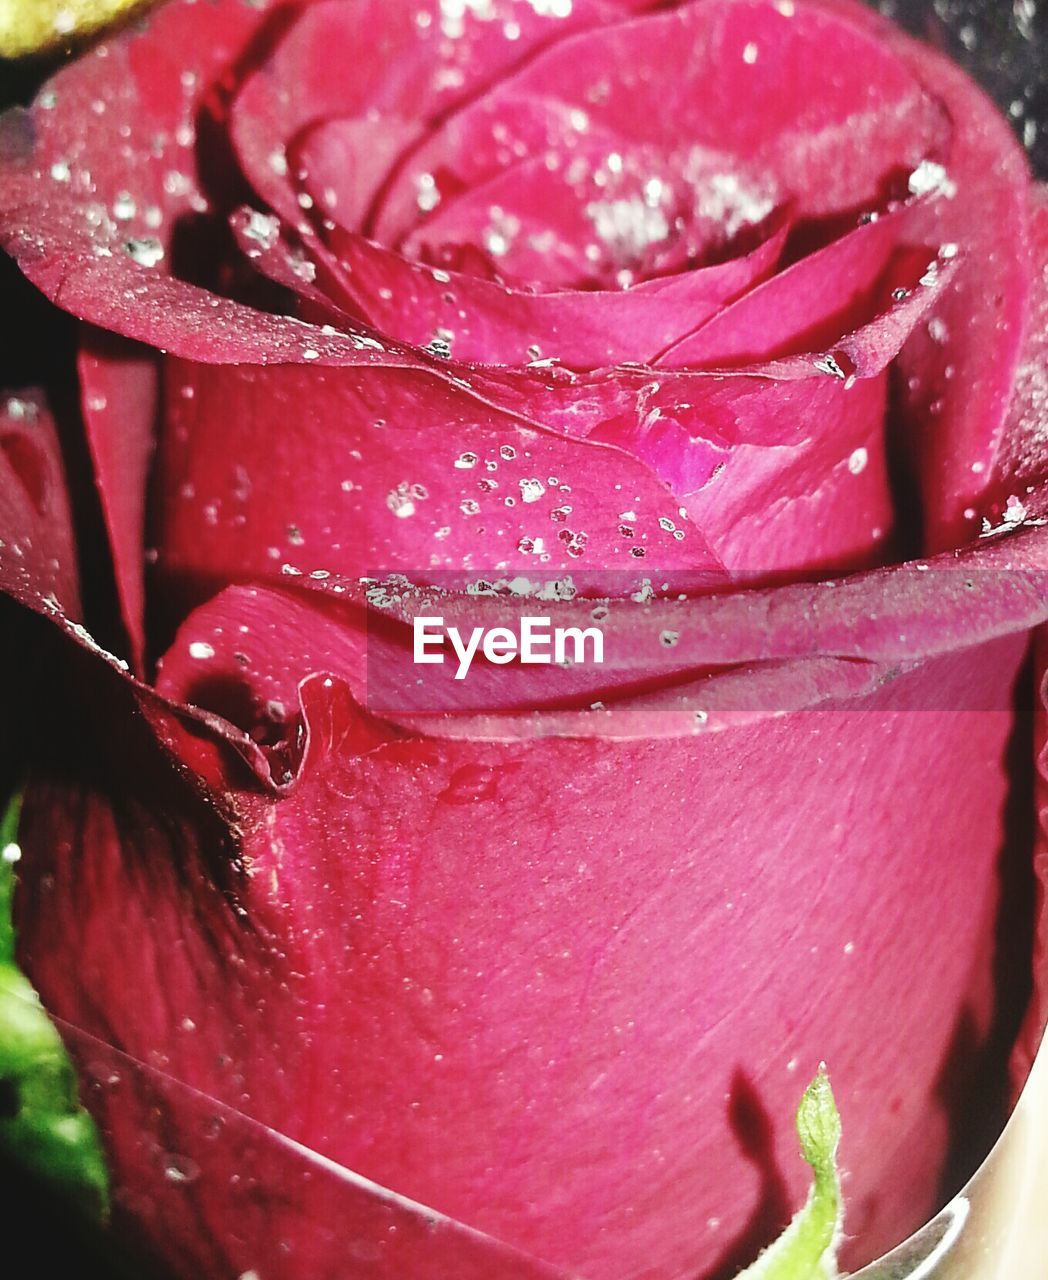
[[824, 110], [419, 71], [434, 498], [805, 307], [784, 648], [959, 376], [521, 1032], [732, 658], [419, 476], [882, 620], [244, 654], [119, 397], [1023, 456], [786, 499], [311, 278], [38, 561], [490, 323], [287, 1208], [763, 506], [134, 302], [908, 290], [581, 218], [124, 196], [789, 432], [1037, 1015], [340, 873], [963, 385]]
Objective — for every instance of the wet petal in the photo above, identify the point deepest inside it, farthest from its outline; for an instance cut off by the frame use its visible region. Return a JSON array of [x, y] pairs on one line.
[[343, 882], [428, 57], [38, 560], [804, 307], [421, 475], [959, 374], [486, 322], [119, 397], [825, 111]]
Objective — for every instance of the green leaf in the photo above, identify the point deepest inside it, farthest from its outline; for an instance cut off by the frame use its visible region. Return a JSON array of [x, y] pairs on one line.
[[807, 1249], [42, 1124]]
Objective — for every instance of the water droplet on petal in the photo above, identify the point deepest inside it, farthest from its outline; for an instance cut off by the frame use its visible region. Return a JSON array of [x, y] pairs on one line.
[[147, 252], [180, 1169]]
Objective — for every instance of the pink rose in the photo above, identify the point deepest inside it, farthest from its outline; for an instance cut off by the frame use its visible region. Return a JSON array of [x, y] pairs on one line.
[[720, 324]]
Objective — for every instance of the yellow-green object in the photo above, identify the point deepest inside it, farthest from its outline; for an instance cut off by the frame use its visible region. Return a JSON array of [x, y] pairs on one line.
[[29, 26]]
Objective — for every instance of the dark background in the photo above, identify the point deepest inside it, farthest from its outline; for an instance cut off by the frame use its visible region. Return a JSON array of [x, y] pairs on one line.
[[1001, 43]]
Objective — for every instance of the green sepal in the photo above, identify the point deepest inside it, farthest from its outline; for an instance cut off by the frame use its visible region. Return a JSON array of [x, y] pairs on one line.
[[807, 1249]]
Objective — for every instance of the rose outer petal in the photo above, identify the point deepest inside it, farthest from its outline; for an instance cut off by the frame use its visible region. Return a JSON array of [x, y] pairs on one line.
[[1037, 1015], [125, 203], [324, 1221], [38, 560], [596, 966], [762, 504], [119, 395], [203, 1039], [460, 484], [671, 661], [1021, 463], [958, 376], [1023, 456]]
